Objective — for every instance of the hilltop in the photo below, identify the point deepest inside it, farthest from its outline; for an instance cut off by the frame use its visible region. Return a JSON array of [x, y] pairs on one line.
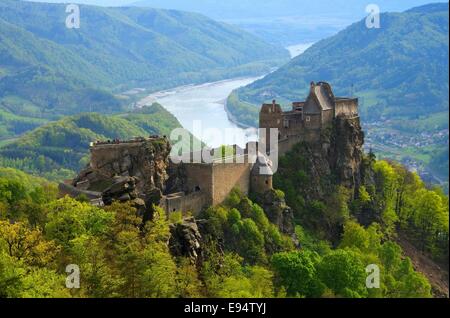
[[58, 149]]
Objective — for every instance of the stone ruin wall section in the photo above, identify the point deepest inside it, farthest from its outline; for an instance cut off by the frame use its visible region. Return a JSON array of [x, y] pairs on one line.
[[346, 107], [226, 176]]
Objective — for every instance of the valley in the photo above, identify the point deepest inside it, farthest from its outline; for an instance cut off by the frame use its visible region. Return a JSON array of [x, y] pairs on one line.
[[349, 198]]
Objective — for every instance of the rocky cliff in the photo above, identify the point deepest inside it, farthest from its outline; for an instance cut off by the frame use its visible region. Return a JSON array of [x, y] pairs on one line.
[[346, 151], [333, 160], [316, 176], [134, 171]]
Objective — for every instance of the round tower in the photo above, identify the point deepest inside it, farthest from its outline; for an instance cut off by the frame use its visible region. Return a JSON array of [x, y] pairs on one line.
[[261, 175]]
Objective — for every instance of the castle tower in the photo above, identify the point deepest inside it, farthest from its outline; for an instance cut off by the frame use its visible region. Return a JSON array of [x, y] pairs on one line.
[[261, 175], [270, 116]]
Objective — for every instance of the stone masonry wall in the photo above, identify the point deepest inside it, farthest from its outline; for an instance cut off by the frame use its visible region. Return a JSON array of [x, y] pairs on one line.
[[346, 107], [226, 176], [199, 177]]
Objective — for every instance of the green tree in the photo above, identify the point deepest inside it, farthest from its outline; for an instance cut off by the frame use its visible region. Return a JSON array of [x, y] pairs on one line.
[[69, 219], [187, 281], [344, 273], [297, 273], [28, 245], [98, 276]]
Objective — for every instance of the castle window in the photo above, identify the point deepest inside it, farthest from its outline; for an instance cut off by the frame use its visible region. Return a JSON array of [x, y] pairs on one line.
[[308, 119], [286, 123], [197, 189], [267, 181]]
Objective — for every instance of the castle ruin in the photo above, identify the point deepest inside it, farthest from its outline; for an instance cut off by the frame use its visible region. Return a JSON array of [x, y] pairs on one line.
[[140, 171], [306, 120]]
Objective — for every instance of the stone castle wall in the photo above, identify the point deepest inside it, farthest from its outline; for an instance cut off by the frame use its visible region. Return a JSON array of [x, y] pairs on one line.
[[286, 144], [194, 186], [313, 121], [199, 177], [346, 107], [226, 176], [192, 202], [327, 117]]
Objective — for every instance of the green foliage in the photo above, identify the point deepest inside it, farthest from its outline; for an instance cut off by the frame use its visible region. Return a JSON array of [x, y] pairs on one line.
[[20, 281], [245, 255], [233, 280], [69, 219], [399, 199], [296, 271], [344, 273], [428, 220], [246, 229], [356, 236], [391, 201]]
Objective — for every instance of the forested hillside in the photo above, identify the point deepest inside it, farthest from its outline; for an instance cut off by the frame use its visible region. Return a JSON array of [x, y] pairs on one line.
[[48, 70], [58, 149], [399, 72], [246, 255]]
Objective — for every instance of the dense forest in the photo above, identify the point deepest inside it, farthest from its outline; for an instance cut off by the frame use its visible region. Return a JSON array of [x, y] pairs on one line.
[[398, 72], [246, 254]]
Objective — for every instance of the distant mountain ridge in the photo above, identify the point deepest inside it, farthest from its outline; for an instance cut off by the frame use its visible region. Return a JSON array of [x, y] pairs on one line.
[[235, 9], [48, 70], [284, 22]]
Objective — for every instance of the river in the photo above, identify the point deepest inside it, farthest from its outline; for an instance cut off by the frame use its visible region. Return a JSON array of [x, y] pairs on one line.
[[203, 105]]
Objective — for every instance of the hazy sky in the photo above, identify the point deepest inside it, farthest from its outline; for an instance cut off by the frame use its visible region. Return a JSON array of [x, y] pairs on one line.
[[125, 2], [95, 2], [238, 9]]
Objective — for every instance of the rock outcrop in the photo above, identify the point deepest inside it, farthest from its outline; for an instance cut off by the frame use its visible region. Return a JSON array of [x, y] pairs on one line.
[[279, 213], [346, 151], [333, 160], [186, 240], [134, 171]]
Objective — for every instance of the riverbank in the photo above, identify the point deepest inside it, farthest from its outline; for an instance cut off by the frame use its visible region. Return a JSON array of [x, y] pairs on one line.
[[232, 118]]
